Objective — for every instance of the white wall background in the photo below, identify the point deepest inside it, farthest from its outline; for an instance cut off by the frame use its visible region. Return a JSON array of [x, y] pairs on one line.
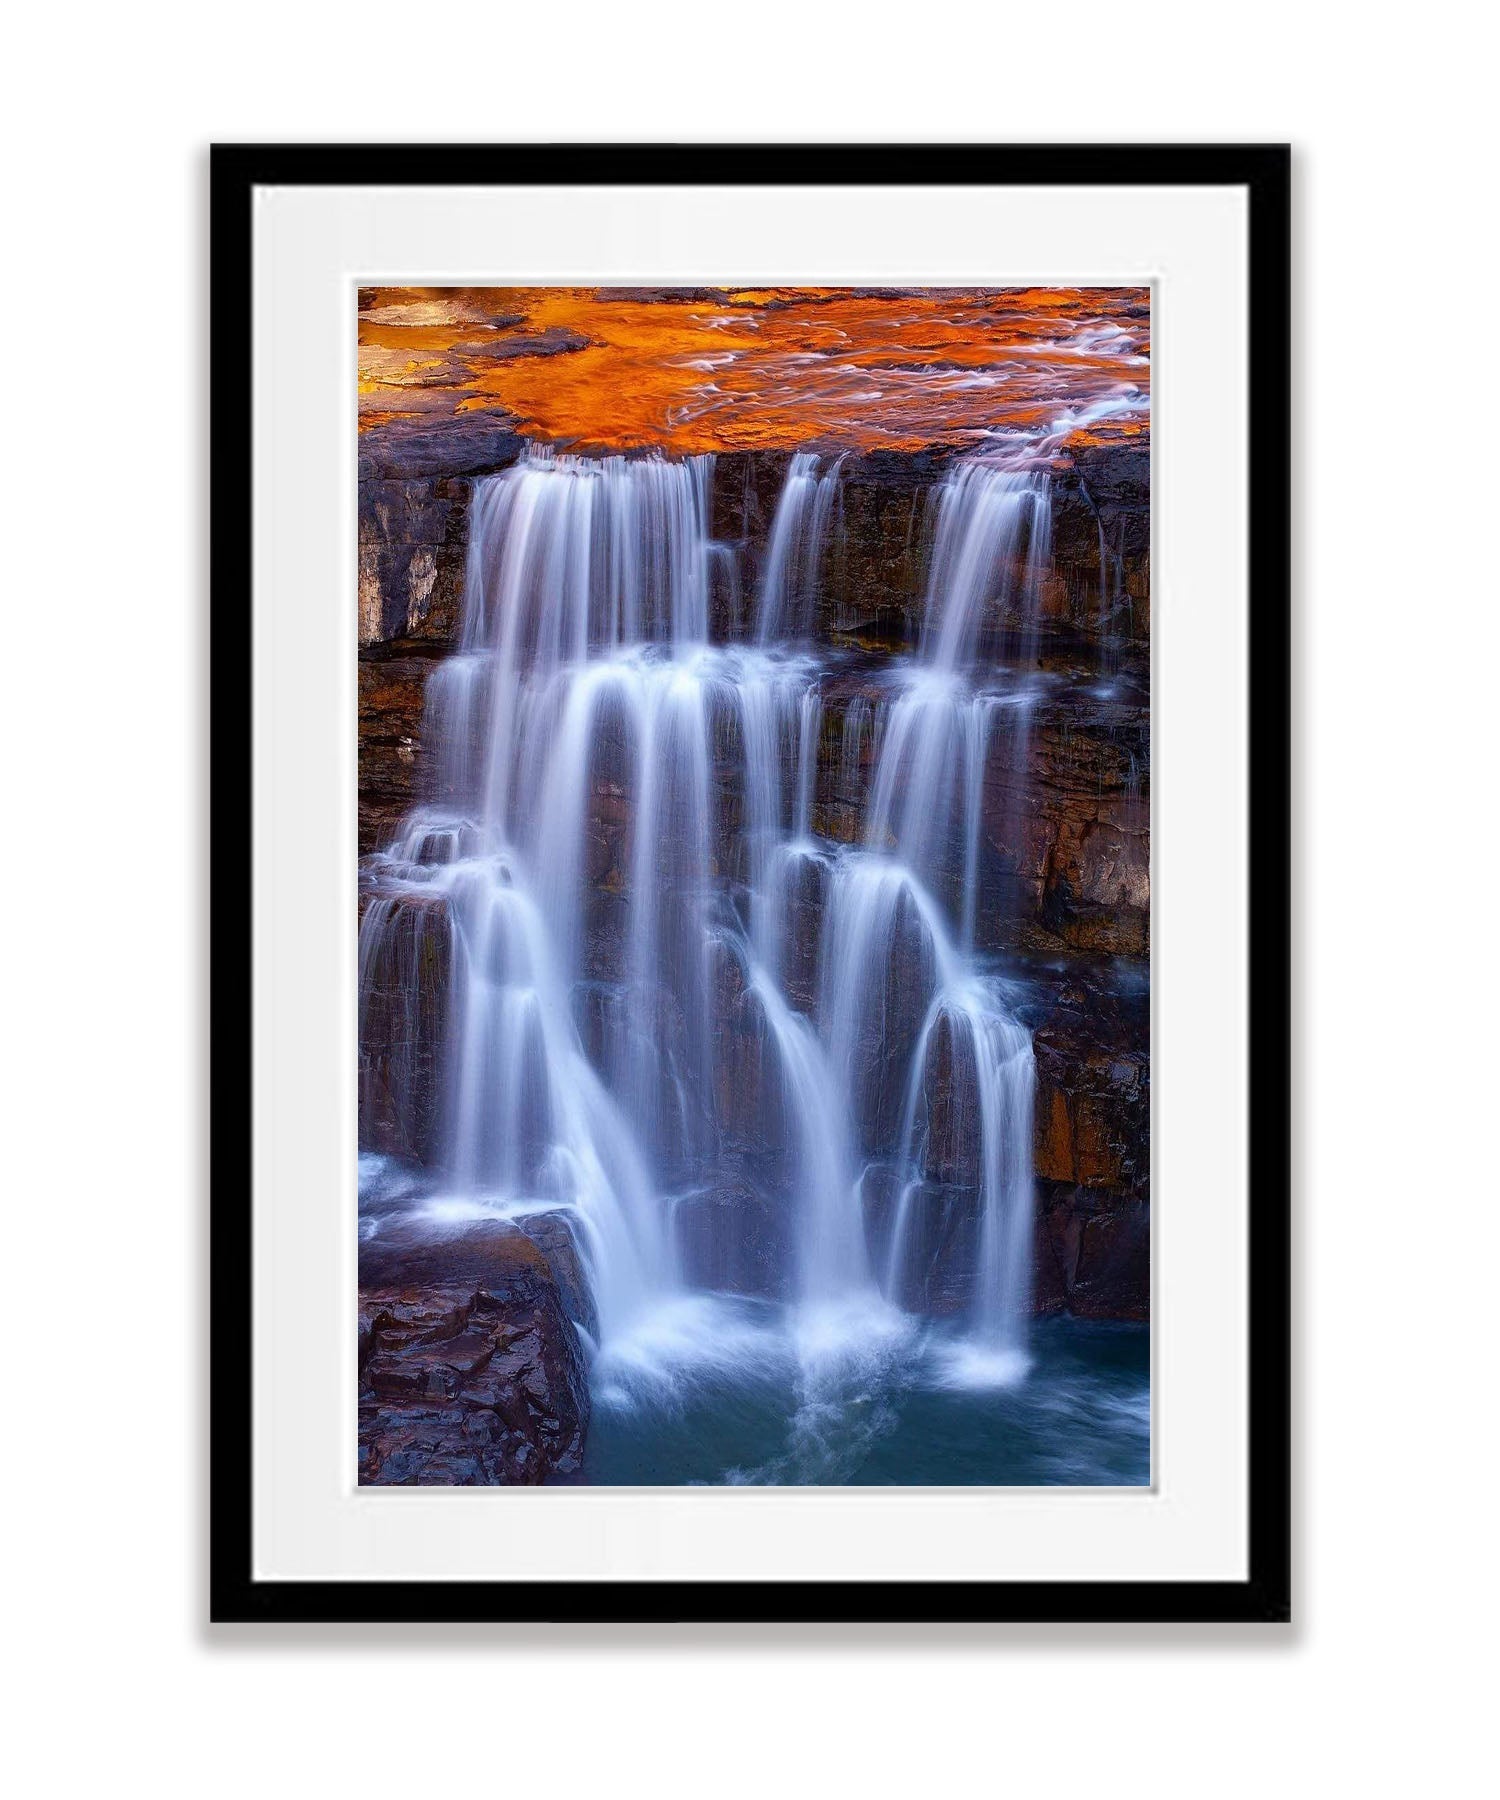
[[1381, 1686]]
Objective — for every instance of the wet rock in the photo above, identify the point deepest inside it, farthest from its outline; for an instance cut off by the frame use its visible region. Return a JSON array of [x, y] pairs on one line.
[[1093, 1253], [405, 988], [742, 505], [640, 1043], [879, 1189], [416, 481], [736, 1238], [728, 977], [1092, 1042], [554, 1236], [940, 1248], [1098, 889], [1090, 1263], [1101, 502], [804, 898], [415, 488], [890, 1027], [1091, 1039], [471, 1371], [456, 445], [875, 568], [392, 691], [949, 1129], [412, 536], [1065, 824], [1093, 1093], [750, 1102], [607, 846]]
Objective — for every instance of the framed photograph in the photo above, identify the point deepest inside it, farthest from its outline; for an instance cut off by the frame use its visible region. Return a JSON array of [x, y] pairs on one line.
[[750, 859]]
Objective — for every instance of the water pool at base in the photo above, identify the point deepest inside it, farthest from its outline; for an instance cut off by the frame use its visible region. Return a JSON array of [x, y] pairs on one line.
[[909, 1407]]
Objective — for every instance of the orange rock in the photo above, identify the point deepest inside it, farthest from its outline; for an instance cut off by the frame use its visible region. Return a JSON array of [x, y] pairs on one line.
[[1054, 1140], [690, 371]]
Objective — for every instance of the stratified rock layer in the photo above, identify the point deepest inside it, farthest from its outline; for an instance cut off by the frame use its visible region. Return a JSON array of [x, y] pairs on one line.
[[403, 1026], [1092, 1041]]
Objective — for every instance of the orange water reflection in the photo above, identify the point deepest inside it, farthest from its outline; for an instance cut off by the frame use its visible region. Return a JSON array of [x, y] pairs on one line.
[[691, 370]]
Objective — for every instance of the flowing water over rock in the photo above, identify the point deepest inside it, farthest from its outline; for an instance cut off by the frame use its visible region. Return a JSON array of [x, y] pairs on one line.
[[615, 974]]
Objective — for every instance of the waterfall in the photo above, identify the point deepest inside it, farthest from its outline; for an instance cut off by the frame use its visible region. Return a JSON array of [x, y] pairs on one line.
[[571, 734], [986, 1094], [810, 722], [617, 887], [990, 548], [991, 542], [1112, 600], [794, 555]]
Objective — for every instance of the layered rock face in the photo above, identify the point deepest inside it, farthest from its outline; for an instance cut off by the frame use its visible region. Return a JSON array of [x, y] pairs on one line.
[[405, 989], [1062, 868], [875, 580], [1092, 1039], [414, 491]]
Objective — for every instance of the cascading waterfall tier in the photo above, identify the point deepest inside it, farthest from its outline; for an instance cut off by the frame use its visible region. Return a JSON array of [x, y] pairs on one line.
[[794, 556], [671, 1009]]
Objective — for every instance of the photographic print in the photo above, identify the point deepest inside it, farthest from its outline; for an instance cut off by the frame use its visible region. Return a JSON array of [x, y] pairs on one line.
[[754, 886]]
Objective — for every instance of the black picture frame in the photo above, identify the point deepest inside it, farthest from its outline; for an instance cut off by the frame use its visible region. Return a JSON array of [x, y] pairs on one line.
[[1263, 171]]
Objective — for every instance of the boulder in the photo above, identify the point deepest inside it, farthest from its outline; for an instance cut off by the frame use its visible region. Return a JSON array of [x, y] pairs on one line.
[[471, 1371]]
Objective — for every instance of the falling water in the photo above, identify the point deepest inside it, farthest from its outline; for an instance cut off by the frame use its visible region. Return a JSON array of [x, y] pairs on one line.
[[990, 547], [621, 857], [794, 556]]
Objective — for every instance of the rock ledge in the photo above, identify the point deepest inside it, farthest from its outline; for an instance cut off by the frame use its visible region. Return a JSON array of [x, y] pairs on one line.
[[471, 1373]]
